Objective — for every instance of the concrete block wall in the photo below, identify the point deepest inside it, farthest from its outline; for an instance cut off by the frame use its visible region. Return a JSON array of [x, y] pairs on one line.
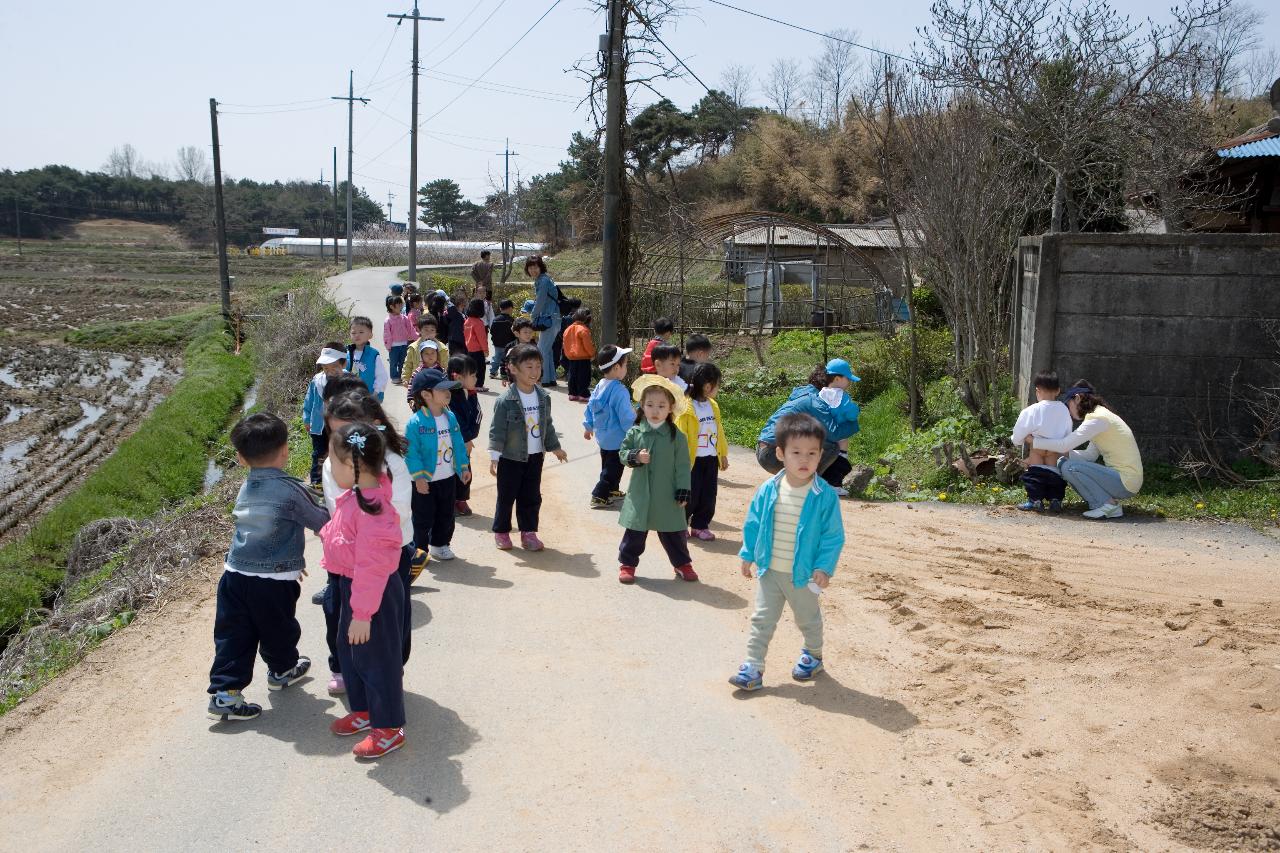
[[1165, 325]]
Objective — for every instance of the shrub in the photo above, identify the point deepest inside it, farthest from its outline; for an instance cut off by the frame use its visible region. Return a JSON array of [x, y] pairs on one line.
[[287, 339]]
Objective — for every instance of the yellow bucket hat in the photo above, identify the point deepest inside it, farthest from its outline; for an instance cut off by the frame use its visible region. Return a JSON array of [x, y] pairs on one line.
[[650, 380]]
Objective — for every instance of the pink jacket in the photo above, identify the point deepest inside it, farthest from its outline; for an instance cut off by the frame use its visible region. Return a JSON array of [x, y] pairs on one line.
[[363, 547], [398, 329]]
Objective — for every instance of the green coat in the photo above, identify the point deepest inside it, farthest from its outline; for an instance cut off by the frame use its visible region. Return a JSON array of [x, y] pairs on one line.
[[650, 503]]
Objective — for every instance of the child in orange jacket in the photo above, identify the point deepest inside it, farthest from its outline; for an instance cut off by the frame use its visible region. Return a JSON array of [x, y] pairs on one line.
[[476, 335], [579, 350]]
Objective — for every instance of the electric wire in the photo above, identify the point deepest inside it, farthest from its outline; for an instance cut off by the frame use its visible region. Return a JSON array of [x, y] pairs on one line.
[[811, 32], [474, 32]]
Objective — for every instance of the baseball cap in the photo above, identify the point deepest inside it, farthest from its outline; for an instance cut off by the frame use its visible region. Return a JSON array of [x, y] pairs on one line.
[[329, 356], [840, 367], [432, 380]]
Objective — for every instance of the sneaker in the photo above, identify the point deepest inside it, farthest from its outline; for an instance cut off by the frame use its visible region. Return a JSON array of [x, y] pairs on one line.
[[503, 541], [1055, 505], [600, 503], [461, 508], [703, 534], [686, 573], [531, 542], [1105, 511], [748, 678], [626, 574], [418, 563], [230, 705], [549, 385], [281, 680], [806, 667], [441, 552], [617, 494], [1030, 506], [352, 724], [378, 743], [337, 684], [841, 492], [318, 597]]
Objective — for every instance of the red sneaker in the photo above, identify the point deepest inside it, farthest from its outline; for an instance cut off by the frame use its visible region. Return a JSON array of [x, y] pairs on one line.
[[531, 542], [503, 541], [461, 508], [351, 724], [626, 574], [378, 743], [686, 572]]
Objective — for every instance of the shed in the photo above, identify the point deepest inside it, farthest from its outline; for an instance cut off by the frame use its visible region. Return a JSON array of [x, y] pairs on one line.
[[877, 243]]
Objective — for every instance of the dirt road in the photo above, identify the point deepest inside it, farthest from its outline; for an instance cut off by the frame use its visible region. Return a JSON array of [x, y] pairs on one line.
[[994, 683]]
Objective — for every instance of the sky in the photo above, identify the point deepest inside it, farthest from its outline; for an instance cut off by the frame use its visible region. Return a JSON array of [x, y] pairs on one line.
[[84, 77]]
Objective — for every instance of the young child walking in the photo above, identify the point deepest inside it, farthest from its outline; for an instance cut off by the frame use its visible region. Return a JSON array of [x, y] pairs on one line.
[[663, 328], [1048, 417], [791, 541], [465, 406], [501, 333], [476, 335], [658, 455], [362, 547], [426, 326], [708, 449], [520, 436], [608, 417], [258, 591], [437, 460], [364, 360], [579, 349], [398, 332], [330, 361]]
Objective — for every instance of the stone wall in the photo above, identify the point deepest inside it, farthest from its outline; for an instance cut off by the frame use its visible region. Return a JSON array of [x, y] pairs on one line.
[[1164, 325]]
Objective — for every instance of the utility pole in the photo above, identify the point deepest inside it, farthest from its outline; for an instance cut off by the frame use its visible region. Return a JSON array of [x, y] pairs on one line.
[[224, 280], [17, 223], [508, 239], [614, 93], [413, 144], [390, 195], [335, 204], [351, 106]]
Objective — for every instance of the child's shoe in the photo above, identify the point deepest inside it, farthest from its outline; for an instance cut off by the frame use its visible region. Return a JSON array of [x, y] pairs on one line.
[[626, 574], [807, 667], [503, 541], [281, 680], [1055, 505], [441, 552], [230, 705], [352, 724], [318, 597], [615, 494], [686, 573], [337, 684], [531, 542], [1029, 506], [600, 503], [748, 678], [461, 508], [703, 534], [418, 563], [378, 743]]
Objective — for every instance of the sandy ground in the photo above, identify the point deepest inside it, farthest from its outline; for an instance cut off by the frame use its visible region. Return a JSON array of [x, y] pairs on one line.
[[994, 682]]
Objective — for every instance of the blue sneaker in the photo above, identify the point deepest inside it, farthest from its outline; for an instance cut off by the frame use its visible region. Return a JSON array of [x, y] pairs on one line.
[[807, 667], [230, 705], [1030, 506], [1055, 506], [281, 680], [748, 678]]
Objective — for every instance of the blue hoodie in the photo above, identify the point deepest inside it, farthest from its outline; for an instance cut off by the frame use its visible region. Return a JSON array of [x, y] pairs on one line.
[[609, 413], [840, 422], [313, 404], [819, 534], [420, 433]]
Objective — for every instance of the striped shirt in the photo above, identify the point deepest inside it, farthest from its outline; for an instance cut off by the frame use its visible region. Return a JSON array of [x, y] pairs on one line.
[[786, 518]]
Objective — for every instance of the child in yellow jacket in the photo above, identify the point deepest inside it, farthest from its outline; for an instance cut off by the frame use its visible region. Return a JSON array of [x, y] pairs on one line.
[[708, 448]]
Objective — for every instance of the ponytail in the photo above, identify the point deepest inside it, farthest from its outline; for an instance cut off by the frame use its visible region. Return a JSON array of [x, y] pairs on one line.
[[362, 443]]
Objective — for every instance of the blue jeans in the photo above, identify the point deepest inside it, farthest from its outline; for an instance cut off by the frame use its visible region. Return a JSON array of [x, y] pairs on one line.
[[395, 359], [1097, 484], [546, 346]]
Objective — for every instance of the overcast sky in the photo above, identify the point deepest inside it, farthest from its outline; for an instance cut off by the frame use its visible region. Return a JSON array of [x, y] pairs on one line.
[[83, 77]]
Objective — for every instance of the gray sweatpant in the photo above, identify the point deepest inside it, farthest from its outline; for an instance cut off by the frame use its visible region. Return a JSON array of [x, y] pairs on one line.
[[773, 590], [1097, 484]]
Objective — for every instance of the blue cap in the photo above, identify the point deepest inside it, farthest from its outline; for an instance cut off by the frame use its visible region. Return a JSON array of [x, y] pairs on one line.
[[840, 367], [527, 307], [397, 288]]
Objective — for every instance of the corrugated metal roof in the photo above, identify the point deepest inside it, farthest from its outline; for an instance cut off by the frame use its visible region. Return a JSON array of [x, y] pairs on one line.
[[1268, 147], [860, 236]]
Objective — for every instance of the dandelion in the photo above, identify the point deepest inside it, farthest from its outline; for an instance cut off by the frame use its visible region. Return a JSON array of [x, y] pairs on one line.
[[1199, 505], [942, 496]]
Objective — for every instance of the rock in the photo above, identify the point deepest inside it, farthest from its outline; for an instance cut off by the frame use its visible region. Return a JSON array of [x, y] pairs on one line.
[[1217, 602], [890, 485], [1176, 626], [858, 479], [964, 758], [1256, 705]]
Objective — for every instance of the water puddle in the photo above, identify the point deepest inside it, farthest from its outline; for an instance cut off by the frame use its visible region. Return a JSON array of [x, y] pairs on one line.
[[13, 453], [16, 413], [8, 377], [91, 414], [250, 397], [213, 475]]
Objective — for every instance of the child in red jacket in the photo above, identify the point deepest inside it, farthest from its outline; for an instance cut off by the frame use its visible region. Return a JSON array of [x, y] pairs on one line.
[[662, 332], [477, 337]]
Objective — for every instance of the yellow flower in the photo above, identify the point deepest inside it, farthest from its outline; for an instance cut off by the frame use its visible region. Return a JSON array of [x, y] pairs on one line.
[[942, 496], [1199, 505]]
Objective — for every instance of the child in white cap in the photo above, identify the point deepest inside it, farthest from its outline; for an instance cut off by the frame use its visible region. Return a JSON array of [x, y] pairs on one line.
[[331, 359]]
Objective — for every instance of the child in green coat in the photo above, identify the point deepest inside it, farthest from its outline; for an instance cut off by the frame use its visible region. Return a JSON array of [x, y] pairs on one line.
[[658, 453]]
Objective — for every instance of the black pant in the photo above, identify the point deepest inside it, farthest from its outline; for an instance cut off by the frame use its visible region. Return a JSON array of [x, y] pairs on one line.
[[374, 671], [610, 474], [433, 513], [704, 485], [254, 615], [633, 541], [482, 362], [578, 372], [319, 450], [519, 485], [838, 470], [331, 608], [1044, 484]]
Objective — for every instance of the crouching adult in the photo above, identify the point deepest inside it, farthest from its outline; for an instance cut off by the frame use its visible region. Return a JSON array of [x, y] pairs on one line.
[[826, 399]]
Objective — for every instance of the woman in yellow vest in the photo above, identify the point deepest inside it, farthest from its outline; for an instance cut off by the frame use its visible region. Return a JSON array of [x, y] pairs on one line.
[[1119, 475]]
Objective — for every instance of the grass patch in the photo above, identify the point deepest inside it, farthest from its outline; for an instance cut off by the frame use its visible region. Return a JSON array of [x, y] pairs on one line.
[[154, 333]]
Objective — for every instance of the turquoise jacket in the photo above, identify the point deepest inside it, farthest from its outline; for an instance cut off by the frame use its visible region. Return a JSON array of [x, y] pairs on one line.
[[819, 534], [840, 422], [420, 433], [313, 404]]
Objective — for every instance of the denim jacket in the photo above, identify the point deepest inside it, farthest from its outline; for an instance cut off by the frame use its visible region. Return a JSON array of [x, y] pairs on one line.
[[508, 434], [819, 533], [271, 511]]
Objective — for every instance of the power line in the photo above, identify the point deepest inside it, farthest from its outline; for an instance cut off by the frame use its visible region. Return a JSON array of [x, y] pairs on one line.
[[374, 76], [464, 42], [805, 30]]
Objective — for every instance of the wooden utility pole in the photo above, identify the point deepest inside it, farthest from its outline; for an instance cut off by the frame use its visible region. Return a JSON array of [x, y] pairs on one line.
[[220, 215], [335, 204], [351, 106], [413, 144], [508, 238], [17, 224], [390, 195], [614, 94]]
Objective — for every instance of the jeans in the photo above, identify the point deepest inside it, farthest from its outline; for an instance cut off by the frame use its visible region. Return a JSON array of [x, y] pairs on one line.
[[704, 483], [1043, 484], [610, 475], [253, 615], [519, 485], [676, 544], [1097, 484], [374, 671], [395, 359], [495, 362], [774, 590], [546, 346], [766, 455]]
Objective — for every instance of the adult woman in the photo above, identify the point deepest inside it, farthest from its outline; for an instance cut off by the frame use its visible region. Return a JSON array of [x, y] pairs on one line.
[[1104, 484], [825, 398], [484, 292], [546, 315]]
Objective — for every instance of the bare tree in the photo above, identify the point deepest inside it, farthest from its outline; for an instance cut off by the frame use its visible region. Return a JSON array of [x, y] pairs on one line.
[[123, 162], [782, 87], [192, 165], [831, 79], [1227, 44], [1261, 68], [738, 81]]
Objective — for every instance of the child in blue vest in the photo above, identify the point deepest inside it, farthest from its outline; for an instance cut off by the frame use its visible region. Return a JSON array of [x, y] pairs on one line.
[[364, 360], [437, 462], [330, 361], [608, 417]]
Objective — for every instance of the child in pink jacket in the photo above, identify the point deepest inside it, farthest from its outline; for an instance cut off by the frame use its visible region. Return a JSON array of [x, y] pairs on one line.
[[362, 546]]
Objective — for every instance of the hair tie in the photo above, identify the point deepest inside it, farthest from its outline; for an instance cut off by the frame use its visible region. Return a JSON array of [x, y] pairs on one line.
[[356, 440]]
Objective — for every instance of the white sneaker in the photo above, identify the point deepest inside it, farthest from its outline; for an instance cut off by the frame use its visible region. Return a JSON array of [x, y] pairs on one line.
[[440, 552], [841, 492], [1105, 511]]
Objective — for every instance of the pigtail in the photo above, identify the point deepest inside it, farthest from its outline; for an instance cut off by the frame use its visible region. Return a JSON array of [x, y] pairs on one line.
[[364, 444]]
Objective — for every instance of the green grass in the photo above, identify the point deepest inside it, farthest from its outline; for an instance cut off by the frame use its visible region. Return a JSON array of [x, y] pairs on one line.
[[160, 332]]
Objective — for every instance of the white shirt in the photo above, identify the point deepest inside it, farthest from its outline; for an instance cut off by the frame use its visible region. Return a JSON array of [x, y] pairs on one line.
[[708, 436], [444, 449], [678, 382], [401, 492], [532, 420], [786, 518], [271, 576], [1045, 419]]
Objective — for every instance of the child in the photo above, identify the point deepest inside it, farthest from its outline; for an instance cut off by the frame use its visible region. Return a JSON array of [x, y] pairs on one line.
[[330, 361], [258, 592], [477, 338], [662, 331], [428, 359], [437, 460], [426, 327], [523, 331], [397, 332], [792, 568], [362, 547], [660, 482], [1046, 418], [453, 325], [697, 350], [579, 349], [520, 436], [708, 450], [501, 333], [465, 406], [666, 363], [364, 359], [413, 308], [608, 417], [568, 307]]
